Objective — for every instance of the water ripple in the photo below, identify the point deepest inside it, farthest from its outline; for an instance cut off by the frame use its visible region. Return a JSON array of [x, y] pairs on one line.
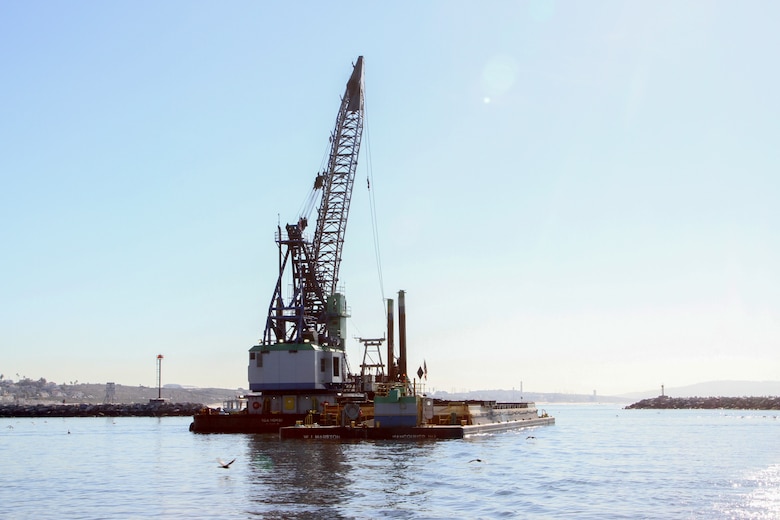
[[596, 462]]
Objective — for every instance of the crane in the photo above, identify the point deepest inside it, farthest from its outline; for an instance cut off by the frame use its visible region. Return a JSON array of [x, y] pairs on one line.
[[315, 312]]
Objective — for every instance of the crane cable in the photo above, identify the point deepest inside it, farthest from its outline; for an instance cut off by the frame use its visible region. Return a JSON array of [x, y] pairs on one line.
[[372, 204], [307, 206]]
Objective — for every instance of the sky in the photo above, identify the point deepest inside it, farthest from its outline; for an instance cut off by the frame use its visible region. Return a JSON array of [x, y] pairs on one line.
[[575, 196]]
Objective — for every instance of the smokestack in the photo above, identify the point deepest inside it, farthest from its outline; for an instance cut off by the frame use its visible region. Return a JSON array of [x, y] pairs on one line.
[[402, 335], [390, 343]]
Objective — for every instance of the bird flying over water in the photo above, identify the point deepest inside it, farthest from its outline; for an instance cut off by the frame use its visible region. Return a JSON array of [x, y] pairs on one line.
[[225, 465]]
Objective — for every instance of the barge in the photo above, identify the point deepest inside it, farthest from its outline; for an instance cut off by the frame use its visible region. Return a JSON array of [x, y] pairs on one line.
[[436, 419], [300, 383]]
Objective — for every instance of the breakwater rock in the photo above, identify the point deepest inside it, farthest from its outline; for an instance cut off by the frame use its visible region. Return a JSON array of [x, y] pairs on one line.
[[712, 403], [100, 410]]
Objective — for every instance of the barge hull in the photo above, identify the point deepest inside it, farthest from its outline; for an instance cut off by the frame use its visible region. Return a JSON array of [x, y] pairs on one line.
[[410, 433], [243, 422], [473, 429]]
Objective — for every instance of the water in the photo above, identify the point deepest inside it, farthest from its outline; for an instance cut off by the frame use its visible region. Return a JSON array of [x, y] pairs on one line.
[[597, 462]]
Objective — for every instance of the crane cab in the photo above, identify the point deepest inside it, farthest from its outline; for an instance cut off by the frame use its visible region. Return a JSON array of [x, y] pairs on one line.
[[295, 366]]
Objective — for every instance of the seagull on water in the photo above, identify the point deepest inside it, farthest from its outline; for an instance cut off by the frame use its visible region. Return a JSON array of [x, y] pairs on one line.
[[225, 465]]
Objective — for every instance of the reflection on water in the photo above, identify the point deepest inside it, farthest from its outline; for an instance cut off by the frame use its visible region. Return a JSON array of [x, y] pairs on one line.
[[310, 477], [320, 479], [758, 496]]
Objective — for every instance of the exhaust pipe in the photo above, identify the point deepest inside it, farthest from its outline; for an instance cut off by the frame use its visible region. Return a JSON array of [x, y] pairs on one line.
[[402, 336], [390, 343]]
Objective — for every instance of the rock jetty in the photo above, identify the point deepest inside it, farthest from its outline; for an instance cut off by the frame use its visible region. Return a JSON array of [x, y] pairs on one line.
[[712, 403], [162, 409]]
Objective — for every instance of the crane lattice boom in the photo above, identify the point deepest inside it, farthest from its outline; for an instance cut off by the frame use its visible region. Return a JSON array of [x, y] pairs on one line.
[[312, 313], [339, 178]]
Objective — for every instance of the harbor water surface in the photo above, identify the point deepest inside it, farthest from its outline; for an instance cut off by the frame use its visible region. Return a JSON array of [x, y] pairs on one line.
[[598, 461]]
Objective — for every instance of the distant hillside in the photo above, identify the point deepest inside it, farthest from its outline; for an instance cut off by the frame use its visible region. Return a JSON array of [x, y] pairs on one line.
[[538, 397], [714, 389], [28, 391], [708, 389]]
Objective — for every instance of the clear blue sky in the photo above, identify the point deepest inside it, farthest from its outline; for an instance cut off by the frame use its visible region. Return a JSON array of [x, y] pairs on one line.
[[576, 195]]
